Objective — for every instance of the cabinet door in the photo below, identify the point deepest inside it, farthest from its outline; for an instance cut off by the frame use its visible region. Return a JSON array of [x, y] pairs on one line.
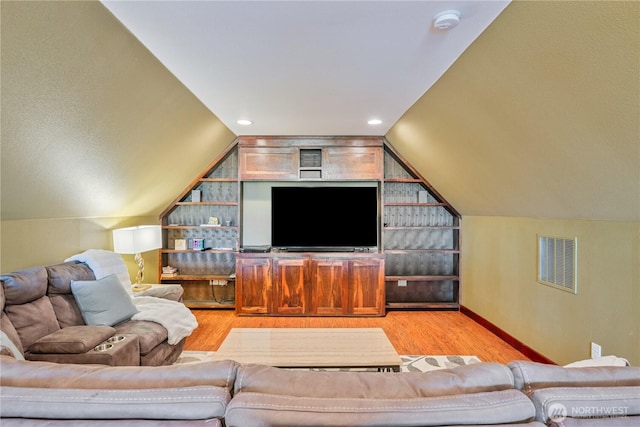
[[329, 286], [273, 163], [366, 287], [291, 293], [352, 163], [253, 286]]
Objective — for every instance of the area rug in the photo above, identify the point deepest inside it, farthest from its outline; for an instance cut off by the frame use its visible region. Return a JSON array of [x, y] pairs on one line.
[[409, 363]]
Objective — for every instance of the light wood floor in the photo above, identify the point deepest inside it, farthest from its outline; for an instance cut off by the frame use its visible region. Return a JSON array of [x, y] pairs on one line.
[[410, 332]]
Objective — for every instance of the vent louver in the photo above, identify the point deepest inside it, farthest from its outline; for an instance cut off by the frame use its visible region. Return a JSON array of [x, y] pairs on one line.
[[557, 262]]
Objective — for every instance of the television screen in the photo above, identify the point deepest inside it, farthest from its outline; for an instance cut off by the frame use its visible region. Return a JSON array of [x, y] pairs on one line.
[[324, 217]]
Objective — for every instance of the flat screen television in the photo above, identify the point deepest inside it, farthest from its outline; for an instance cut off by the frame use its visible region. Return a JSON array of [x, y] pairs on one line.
[[324, 218]]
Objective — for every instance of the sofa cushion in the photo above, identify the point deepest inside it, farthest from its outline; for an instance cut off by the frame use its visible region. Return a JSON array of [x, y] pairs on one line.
[[125, 352], [9, 331], [568, 392], [66, 391], [475, 378], [497, 407], [59, 291], [610, 403], [531, 376], [478, 394], [23, 286], [151, 334], [596, 422], [61, 275], [74, 339], [104, 301], [32, 320], [12, 346]]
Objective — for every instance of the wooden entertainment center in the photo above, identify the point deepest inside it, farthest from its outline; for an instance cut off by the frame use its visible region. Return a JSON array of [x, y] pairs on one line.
[[414, 265]]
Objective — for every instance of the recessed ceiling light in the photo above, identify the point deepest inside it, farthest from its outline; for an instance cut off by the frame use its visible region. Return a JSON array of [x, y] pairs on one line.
[[374, 121], [244, 122]]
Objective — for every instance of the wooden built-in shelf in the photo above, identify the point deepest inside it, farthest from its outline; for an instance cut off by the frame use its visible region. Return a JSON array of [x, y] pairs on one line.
[[425, 305], [212, 251], [209, 304], [414, 204], [206, 203], [218, 180], [428, 227], [404, 180], [414, 251], [177, 227], [420, 245], [192, 277], [420, 278]]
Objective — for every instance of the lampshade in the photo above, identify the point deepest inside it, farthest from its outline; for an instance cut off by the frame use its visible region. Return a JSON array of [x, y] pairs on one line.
[[134, 240]]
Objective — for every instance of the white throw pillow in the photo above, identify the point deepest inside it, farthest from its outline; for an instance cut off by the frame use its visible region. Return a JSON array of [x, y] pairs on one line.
[[599, 361]]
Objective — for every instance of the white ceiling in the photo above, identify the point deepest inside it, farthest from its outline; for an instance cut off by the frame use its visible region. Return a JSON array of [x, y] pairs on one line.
[[305, 67]]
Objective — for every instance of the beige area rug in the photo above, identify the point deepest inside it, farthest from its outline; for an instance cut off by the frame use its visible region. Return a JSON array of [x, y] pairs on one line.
[[409, 363]]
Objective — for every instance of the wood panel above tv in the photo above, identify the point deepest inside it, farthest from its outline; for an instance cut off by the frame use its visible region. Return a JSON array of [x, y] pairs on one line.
[[310, 158]]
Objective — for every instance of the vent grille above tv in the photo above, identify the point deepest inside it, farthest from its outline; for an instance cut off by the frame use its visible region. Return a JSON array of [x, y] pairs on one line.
[[310, 158]]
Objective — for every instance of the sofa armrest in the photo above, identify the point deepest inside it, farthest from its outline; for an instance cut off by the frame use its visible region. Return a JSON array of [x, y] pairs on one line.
[[69, 391], [72, 340], [531, 376], [170, 292], [588, 403]]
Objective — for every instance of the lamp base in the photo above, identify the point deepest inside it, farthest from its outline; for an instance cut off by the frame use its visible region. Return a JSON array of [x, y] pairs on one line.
[[140, 275]]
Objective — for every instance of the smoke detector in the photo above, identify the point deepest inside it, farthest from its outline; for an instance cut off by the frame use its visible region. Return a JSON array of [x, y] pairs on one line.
[[446, 20]]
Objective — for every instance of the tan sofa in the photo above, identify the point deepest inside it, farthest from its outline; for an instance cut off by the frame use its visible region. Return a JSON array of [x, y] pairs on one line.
[[588, 396], [226, 393], [41, 317], [45, 393], [75, 391]]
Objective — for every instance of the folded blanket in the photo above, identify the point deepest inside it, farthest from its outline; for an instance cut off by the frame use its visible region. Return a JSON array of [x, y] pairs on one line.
[[176, 318], [104, 263]]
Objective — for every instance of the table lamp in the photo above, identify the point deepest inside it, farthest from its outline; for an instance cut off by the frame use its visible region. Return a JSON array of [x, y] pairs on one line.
[[135, 240]]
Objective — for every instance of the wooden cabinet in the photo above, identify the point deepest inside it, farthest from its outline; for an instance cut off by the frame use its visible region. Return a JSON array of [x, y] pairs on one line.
[[329, 287], [310, 159], [271, 164], [291, 295], [365, 299], [311, 284], [418, 263], [253, 285], [352, 163]]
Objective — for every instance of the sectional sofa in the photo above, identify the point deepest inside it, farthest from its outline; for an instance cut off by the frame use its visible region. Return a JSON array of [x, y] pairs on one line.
[[64, 381], [227, 393], [46, 322]]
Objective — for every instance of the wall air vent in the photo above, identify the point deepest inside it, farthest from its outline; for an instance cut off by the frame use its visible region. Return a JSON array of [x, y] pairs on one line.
[[557, 262], [310, 158]]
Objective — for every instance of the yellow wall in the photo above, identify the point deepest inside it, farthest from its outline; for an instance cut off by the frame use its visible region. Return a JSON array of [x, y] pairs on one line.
[[96, 133], [535, 129], [499, 283], [30, 243], [92, 124]]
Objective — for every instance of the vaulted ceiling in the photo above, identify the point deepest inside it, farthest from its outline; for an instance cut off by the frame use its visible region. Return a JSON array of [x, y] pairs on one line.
[[538, 116], [306, 67]]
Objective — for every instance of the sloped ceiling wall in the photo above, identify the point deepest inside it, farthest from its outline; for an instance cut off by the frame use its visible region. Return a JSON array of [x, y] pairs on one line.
[[540, 117], [92, 124]]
